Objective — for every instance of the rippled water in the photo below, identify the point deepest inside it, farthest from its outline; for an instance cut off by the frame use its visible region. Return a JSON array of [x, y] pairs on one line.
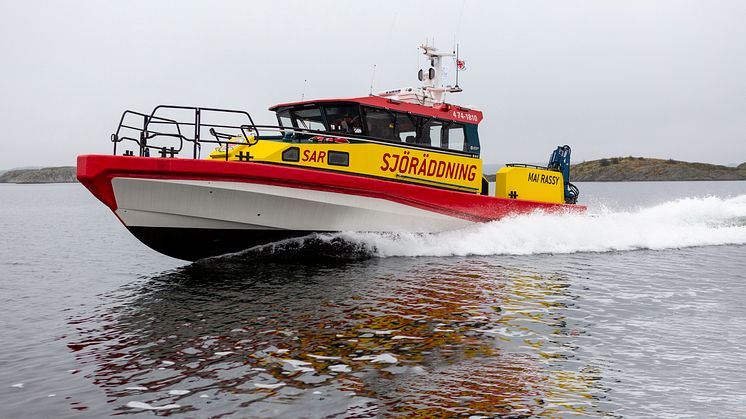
[[636, 310]]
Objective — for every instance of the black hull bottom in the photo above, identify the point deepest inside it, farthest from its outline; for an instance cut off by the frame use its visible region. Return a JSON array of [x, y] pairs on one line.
[[197, 243]]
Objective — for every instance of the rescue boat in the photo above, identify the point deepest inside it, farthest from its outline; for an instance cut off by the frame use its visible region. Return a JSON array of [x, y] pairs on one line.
[[400, 161]]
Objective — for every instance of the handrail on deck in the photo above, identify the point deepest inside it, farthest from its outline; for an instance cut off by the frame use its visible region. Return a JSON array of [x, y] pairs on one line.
[[152, 125], [532, 166]]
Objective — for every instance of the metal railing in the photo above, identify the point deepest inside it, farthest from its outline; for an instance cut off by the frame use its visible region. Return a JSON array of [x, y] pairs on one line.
[[145, 131], [147, 127], [532, 166]]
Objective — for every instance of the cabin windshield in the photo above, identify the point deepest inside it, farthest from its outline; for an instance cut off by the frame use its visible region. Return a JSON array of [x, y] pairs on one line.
[[342, 118], [308, 118], [380, 123], [283, 117]]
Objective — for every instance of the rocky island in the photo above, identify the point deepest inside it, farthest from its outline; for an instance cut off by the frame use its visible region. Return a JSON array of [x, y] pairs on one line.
[[626, 169], [64, 174], [642, 169]]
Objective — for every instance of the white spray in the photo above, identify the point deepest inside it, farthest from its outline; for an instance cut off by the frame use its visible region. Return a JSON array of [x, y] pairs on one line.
[[675, 224]]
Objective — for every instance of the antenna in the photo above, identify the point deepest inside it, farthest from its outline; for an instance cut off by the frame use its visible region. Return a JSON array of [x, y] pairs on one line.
[[453, 50], [372, 79], [457, 69], [303, 93]]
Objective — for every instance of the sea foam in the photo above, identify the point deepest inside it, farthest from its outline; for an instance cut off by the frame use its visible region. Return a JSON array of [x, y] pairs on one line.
[[675, 224]]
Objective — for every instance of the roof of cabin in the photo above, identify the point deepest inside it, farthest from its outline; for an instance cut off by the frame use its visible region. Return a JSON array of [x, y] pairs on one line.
[[441, 111]]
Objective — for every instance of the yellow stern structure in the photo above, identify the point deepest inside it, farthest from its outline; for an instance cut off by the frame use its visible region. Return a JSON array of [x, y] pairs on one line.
[[530, 184]]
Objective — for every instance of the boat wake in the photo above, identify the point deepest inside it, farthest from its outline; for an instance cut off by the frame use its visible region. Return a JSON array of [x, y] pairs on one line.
[[681, 223]]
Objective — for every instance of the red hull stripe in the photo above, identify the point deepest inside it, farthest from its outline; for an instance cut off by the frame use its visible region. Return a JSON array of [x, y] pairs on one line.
[[97, 171]]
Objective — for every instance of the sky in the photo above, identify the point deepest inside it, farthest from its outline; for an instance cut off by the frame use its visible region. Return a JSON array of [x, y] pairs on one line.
[[649, 78]]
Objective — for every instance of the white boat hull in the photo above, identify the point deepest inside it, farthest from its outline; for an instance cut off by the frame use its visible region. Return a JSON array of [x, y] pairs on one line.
[[165, 213], [234, 205]]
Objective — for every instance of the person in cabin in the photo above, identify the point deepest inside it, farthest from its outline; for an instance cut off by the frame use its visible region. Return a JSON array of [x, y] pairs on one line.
[[348, 124]]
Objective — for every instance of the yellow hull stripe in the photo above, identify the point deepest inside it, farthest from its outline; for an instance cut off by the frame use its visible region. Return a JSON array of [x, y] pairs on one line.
[[427, 167]]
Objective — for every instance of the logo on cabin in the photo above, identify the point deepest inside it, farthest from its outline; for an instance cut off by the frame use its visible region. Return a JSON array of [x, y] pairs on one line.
[[405, 164]]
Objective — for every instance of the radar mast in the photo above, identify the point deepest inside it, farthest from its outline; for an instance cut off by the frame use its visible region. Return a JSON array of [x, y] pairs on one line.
[[433, 87]]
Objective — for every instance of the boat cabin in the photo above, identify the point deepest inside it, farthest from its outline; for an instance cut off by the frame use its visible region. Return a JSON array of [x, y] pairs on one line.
[[444, 127]]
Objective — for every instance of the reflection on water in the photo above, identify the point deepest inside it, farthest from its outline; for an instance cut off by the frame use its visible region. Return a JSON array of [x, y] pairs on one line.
[[377, 337]]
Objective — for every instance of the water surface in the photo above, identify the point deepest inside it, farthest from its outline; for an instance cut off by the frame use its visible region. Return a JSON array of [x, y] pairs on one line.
[[633, 311]]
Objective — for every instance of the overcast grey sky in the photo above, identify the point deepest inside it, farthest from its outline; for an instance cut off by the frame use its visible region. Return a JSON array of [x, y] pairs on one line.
[[611, 78]]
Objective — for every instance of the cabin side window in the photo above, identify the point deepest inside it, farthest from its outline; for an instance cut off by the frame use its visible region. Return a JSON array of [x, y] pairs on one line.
[[456, 138], [344, 118], [406, 127], [380, 123], [431, 133], [418, 129], [472, 139]]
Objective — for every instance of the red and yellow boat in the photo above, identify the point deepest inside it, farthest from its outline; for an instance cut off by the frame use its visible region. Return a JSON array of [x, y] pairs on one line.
[[400, 161]]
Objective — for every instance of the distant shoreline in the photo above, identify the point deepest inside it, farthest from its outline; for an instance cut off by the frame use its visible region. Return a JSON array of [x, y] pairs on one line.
[[642, 169], [614, 169], [63, 174]]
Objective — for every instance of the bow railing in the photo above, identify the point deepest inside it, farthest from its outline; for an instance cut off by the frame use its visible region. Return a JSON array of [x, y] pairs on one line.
[[168, 129]]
